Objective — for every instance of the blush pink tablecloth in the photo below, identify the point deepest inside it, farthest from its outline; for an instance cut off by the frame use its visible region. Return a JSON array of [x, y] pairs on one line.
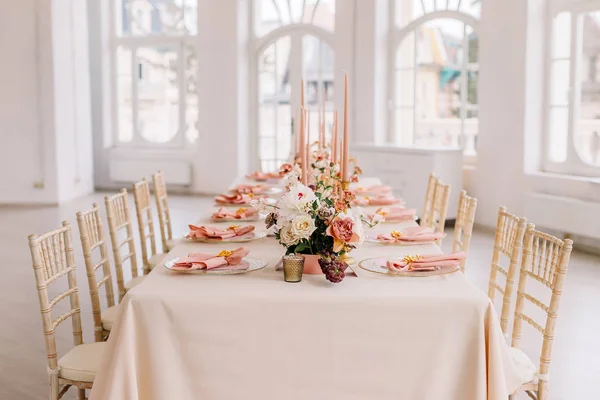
[[253, 336]]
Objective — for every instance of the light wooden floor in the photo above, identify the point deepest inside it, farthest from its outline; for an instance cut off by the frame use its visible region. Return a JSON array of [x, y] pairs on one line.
[[576, 360]]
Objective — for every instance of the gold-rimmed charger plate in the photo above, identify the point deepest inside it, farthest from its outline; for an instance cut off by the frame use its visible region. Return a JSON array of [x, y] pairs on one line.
[[254, 264], [398, 243], [268, 200], [385, 221], [238, 239], [377, 265], [236, 220]]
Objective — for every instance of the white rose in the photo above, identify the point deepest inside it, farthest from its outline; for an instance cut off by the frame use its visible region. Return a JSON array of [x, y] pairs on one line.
[[296, 199], [302, 226], [321, 164], [286, 236]]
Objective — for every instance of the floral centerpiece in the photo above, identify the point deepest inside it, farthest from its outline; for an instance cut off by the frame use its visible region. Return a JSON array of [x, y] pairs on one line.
[[316, 220]]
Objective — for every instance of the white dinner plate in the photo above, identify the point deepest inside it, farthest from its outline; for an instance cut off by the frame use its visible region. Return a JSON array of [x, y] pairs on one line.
[[254, 264]]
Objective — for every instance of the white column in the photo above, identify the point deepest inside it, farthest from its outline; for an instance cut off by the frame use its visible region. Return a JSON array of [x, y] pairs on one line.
[[46, 154], [370, 61], [499, 175], [71, 100], [223, 94]]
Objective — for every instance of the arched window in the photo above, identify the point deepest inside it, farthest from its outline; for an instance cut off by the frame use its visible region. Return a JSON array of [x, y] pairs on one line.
[[434, 90], [293, 40], [572, 123], [155, 98]]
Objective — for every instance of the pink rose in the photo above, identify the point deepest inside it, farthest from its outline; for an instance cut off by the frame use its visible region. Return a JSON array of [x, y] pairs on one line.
[[341, 229]]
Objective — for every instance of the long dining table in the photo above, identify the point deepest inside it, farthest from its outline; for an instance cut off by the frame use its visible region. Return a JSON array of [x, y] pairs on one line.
[[254, 336]]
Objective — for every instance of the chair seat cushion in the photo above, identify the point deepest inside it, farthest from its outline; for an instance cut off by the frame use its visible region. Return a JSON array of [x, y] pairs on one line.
[[82, 362], [134, 282], [525, 367], [108, 317], [155, 260]]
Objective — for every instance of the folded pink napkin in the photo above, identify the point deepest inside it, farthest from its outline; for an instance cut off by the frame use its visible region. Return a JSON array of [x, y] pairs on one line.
[[241, 213], [263, 176], [233, 198], [247, 189], [425, 263], [211, 232], [225, 260], [375, 190], [397, 214], [382, 200], [415, 234]]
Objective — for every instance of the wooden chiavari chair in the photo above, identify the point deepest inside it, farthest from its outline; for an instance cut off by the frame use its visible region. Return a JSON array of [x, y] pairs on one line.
[[508, 241], [545, 260], [463, 228], [164, 214], [436, 216], [119, 218], [91, 232], [52, 258], [143, 210], [429, 194]]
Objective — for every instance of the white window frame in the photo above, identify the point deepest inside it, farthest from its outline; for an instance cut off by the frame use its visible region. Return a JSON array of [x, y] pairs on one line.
[[398, 35], [179, 43], [573, 165], [296, 32]]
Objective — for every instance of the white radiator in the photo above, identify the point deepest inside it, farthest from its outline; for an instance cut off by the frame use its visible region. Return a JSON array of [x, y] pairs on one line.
[[563, 214]]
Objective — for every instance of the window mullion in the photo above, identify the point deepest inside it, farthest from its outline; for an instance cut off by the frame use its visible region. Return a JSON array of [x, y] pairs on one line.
[[137, 137], [574, 90], [415, 85], [392, 72], [464, 89], [181, 82]]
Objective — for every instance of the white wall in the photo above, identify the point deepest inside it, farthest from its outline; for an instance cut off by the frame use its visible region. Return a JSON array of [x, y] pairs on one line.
[[510, 125], [46, 152]]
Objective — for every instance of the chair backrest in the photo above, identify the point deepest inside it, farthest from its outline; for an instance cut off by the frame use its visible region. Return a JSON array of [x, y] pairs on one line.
[[429, 195], [52, 258], [143, 210], [508, 241], [463, 228], [117, 212], [436, 218], [545, 260], [91, 232], [162, 206]]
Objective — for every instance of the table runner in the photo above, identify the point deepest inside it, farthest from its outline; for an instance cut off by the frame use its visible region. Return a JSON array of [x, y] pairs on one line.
[[253, 336]]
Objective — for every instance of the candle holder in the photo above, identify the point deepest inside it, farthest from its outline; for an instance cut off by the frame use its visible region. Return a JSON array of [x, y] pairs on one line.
[[293, 268], [345, 185]]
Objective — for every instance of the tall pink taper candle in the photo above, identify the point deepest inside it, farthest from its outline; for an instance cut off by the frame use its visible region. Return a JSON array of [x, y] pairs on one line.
[[302, 143], [302, 94], [320, 145], [322, 121], [296, 137], [308, 130], [305, 166], [334, 138], [345, 147]]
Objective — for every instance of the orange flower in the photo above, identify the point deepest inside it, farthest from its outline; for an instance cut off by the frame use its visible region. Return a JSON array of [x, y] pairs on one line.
[[285, 169]]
